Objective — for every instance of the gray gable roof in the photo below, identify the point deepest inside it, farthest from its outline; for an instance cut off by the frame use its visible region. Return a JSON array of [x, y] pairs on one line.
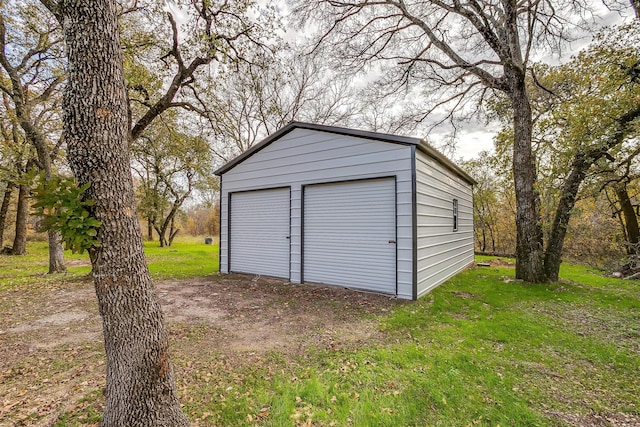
[[421, 144]]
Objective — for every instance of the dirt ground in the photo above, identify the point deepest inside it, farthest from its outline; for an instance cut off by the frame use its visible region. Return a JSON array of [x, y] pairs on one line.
[[52, 357]]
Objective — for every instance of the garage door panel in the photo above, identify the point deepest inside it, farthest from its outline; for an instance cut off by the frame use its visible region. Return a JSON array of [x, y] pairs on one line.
[[259, 240], [349, 234]]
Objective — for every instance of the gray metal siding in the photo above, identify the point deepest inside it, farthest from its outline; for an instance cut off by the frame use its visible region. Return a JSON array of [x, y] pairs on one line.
[[303, 157], [349, 234], [260, 232], [441, 251]]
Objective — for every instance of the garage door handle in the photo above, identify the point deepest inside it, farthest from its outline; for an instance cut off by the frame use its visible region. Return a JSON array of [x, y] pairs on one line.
[[288, 237], [392, 241]]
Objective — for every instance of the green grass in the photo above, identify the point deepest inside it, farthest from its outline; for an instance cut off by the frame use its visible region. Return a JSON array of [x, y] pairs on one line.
[[186, 257], [32, 268], [482, 349]]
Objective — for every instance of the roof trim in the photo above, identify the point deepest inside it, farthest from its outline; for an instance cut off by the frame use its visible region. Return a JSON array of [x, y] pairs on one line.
[[425, 147], [396, 139]]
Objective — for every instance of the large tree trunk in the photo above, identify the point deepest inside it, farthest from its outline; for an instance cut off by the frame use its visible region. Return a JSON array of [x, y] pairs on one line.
[[56, 252], [149, 229], [22, 214], [173, 232], [553, 253], [4, 208], [630, 218], [529, 237], [140, 389], [161, 231]]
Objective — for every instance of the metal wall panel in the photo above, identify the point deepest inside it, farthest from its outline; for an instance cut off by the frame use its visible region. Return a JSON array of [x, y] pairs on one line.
[[349, 234], [259, 240], [441, 251]]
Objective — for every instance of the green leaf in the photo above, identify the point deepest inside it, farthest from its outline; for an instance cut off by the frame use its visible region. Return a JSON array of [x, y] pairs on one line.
[[61, 204]]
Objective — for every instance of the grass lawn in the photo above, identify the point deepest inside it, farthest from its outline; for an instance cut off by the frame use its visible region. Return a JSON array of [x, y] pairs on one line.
[[482, 349], [187, 257]]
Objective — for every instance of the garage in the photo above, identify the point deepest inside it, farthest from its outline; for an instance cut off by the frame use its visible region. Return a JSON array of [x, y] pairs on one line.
[[259, 242], [349, 231], [346, 207]]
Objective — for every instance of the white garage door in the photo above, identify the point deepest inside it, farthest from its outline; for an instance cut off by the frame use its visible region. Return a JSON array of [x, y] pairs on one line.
[[349, 234], [259, 238]]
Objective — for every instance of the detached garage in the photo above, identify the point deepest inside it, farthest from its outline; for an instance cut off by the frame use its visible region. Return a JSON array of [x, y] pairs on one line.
[[336, 206]]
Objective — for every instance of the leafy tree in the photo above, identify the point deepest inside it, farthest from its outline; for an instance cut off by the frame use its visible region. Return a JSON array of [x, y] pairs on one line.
[[619, 178], [485, 202], [18, 170], [627, 214], [203, 219], [585, 129], [593, 234], [30, 59], [169, 165], [588, 110]]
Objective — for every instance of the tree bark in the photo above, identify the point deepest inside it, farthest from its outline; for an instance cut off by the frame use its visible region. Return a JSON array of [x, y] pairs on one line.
[[140, 386], [553, 253], [630, 218], [173, 232], [22, 214], [4, 208], [149, 229], [56, 252], [635, 4], [529, 236], [161, 231]]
